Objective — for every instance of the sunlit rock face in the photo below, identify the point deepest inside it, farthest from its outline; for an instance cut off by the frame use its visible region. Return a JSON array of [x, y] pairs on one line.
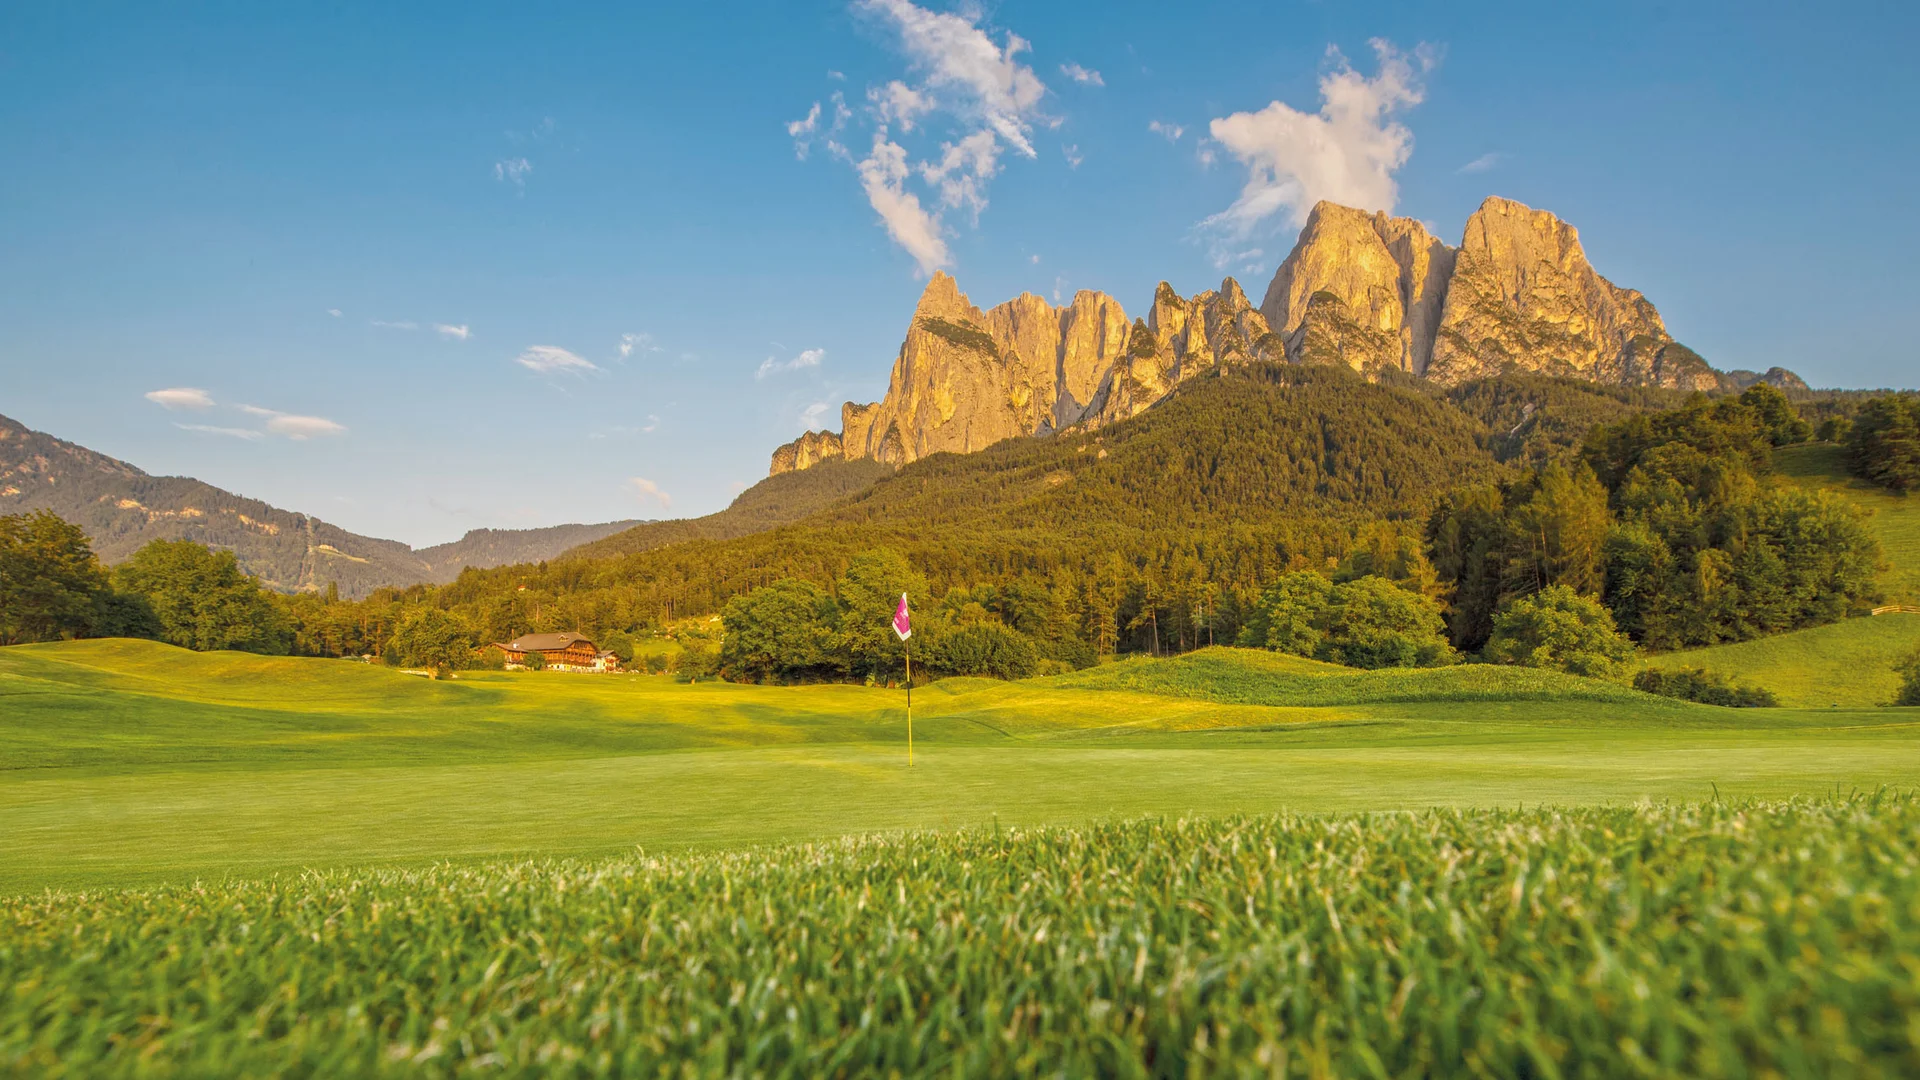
[[1523, 297], [1373, 292], [1372, 282]]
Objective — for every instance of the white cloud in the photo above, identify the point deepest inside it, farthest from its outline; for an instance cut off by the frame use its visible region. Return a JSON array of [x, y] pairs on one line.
[[1083, 76], [963, 170], [1034, 259], [1346, 153], [1481, 164], [898, 103], [1170, 132], [513, 171], [643, 343], [231, 432], [459, 333], [801, 131], [884, 174], [647, 489], [180, 397], [297, 428], [811, 416], [809, 359], [652, 423], [405, 324], [334, 311], [1072, 153], [961, 63], [549, 359], [809, 127], [956, 69], [1203, 152], [836, 76]]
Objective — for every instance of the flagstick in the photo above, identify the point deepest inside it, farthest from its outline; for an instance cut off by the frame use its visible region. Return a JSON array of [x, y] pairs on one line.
[[909, 644]]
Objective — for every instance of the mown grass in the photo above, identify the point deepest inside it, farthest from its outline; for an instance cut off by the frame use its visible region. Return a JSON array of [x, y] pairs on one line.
[[1660, 940], [1894, 519], [132, 763], [1848, 664]]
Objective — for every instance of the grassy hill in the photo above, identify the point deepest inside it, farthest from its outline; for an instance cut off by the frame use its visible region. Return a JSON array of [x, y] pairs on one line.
[[128, 761], [1894, 519], [1850, 663]]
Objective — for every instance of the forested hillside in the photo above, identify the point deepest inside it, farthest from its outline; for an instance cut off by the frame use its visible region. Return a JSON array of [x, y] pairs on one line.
[[777, 500], [1175, 517], [122, 509]]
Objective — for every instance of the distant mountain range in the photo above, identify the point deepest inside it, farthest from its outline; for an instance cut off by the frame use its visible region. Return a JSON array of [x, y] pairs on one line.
[[1375, 293], [122, 509]]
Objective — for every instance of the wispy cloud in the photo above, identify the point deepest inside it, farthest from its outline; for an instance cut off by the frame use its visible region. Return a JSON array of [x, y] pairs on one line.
[[297, 428], [898, 103], [647, 489], [956, 68], [811, 416], [814, 126], [883, 173], [1481, 164], [230, 432], [641, 343], [551, 359], [1346, 152], [334, 311], [403, 324], [809, 359], [1169, 132], [653, 422], [1083, 76], [458, 333], [1071, 151], [513, 171], [180, 397]]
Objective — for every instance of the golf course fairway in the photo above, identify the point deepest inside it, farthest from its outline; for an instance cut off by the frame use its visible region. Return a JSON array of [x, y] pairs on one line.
[[129, 762]]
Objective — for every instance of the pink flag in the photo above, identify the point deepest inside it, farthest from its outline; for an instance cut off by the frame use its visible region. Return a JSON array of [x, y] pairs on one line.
[[900, 624]]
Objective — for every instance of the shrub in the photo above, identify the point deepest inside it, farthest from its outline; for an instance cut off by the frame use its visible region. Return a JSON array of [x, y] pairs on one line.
[[1884, 445], [984, 648], [1560, 629], [1909, 672], [1704, 687], [1368, 622], [432, 639], [201, 599]]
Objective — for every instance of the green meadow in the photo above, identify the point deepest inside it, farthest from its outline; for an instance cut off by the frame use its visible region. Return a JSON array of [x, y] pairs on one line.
[[132, 763]]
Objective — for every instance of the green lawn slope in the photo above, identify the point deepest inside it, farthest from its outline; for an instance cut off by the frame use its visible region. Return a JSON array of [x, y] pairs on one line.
[[1848, 664], [125, 762], [1894, 519]]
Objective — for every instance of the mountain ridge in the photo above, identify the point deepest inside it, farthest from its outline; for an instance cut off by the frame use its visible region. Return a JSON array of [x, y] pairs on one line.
[[122, 508], [1372, 292]]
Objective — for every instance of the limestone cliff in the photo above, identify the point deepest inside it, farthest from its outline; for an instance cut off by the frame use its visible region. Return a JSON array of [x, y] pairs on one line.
[[1182, 338], [1524, 297], [1377, 282], [965, 379], [1374, 292]]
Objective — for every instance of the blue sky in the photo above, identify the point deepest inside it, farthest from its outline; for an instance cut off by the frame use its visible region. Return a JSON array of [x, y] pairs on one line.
[[434, 267]]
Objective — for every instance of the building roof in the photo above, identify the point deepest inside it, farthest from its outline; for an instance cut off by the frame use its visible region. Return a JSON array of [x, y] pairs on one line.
[[545, 642]]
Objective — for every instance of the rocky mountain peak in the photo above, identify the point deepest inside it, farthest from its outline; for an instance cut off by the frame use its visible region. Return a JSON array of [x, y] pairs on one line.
[[1360, 288]]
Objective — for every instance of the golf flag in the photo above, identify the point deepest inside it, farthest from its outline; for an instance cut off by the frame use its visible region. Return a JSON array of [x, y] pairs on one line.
[[901, 626]]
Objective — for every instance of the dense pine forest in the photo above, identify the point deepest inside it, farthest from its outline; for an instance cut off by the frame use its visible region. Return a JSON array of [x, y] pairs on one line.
[[1302, 508]]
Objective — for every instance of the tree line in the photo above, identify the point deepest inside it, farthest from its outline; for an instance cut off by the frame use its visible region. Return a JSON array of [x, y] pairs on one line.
[[1306, 513]]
